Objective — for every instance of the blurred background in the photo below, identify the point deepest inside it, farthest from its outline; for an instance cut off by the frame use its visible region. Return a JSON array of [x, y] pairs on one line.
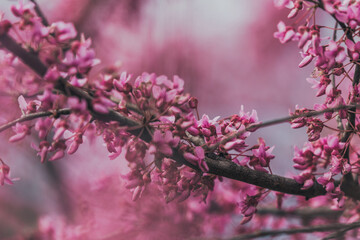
[[225, 52]]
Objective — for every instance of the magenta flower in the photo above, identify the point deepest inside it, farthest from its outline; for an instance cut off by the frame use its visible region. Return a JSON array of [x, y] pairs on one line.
[[262, 154], [353, 49], [5, 174], [20, 132], [42, 126], [353, 15], [197, 158], [75, 143], [78, 82], [327, 181], [102, 104], [284, 33], [248, 206], [306, 178], [52, 75], [163, 142], [304, 36], [339, 165], [77, 105], [123, 85], [63, 31], [334, 54], [29, 107], [319, 85], [284, 3], [20, 9]]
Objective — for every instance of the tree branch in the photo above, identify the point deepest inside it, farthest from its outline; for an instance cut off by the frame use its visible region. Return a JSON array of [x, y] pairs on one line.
[[307, 213], [29, 59], [32, 116], [40, 13], [321, 228]]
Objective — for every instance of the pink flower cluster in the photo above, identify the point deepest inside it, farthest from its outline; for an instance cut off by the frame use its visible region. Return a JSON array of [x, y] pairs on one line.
[[325, 154]]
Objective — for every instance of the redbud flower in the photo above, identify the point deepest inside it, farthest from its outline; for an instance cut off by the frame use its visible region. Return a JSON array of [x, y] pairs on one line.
[[284, 33], [63, 31], [19, 9], [21, 132], [193, 102], [263, 153], [30, 107], [42, 126], [327, 181], [123, 85], [353, 49], [284, 3], [4, 174], [163, 142], [319, 85], [198, 158]]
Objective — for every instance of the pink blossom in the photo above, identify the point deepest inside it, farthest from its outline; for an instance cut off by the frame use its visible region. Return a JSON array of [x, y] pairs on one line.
[[304, 36], [78, 82], [77, 105], [122, 84], [20, 132], [353, 15], [284, 33], [42, 126], [59, 148], [102, 104], [307, 58], [353, 49], [262, 153], [52, 74], [29, 107], [284, 3], [164, 142], [63, 31], [75, 143], [5, 174], [334, 54], [319, 85], [295, 10], [248, 206], [47, 98], [306, 178], [339, 165], [198, 158], [327, 181], [20, 9]]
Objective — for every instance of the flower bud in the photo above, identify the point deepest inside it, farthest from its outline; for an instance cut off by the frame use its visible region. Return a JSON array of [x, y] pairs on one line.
[[193, 102]]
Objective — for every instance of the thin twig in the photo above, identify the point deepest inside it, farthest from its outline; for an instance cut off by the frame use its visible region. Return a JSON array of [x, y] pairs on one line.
[[300, 213], [32, 116], [38, 11]]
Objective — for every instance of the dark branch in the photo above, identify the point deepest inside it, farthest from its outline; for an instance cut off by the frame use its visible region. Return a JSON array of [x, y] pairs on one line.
[[321, 228], [29, 59], [40, 13], [301, 213]]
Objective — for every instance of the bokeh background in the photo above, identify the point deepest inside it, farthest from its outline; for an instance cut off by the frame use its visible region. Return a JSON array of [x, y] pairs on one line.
[[225, 52]]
